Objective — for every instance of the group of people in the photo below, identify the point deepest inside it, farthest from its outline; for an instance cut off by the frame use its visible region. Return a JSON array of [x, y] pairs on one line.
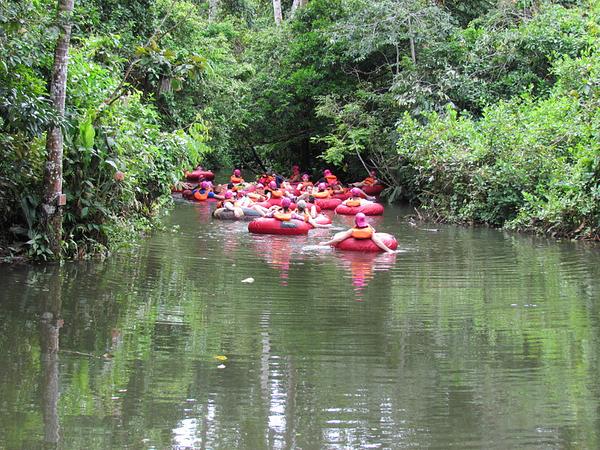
[[273, 196]]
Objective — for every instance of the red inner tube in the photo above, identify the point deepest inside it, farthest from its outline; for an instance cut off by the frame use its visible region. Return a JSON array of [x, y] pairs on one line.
[[343, 196], [373, 190], [327, 203], [199, 175], [367, 245], [274, 226], [372, 209]]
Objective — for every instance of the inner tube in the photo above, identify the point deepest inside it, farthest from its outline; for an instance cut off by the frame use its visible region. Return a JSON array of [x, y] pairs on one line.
[[200, 175], [273, 226], [372, 209], [367, 245], [225, 214], [343, 196], [373, 190], [328, 203]]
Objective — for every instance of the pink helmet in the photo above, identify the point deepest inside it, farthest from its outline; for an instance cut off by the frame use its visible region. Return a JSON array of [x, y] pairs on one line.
[[361, 220], [285, 202], [259, 186], [272, 185], [237, 172], [322, 186], [228, 194], [204, 185], [326, 172], [306, 177], [355, 192]]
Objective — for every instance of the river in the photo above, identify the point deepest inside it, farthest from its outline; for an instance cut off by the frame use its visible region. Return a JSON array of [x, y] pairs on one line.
[[465, 338]]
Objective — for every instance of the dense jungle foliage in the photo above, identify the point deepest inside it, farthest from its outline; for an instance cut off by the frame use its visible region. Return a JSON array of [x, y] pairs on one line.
[[479, 111]]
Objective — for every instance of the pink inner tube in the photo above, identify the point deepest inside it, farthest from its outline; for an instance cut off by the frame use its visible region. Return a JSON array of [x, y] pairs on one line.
[[367, 245], [274, 226], [372, 209], [199, 175], [343, 196], [373, 190], [328, 203]]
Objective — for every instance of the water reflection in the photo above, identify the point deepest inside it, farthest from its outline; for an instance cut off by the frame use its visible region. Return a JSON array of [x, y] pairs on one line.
[[362, 267], [49, 325], [445, 350]]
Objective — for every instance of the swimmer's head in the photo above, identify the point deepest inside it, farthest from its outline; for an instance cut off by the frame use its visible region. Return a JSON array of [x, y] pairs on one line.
[[361, 220]]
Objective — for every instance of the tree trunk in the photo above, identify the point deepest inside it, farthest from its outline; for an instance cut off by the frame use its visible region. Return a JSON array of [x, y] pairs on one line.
[[51, 212], [212, 9], [413, 53], [297, 5], [277, 12]]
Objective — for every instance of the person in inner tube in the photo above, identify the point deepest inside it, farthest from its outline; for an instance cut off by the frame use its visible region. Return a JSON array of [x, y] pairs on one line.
[[229, 204], [371, 180], [283, 212], [361, 230], [356, 198]]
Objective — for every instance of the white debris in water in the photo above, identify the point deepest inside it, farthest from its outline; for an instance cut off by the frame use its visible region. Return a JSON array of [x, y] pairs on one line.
[[248, 280], [221, 366]]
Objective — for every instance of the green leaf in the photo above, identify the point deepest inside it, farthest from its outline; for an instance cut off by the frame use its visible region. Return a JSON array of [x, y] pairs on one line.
[[87, 134]]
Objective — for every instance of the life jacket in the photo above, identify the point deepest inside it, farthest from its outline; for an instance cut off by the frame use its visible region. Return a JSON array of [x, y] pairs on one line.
[[331, 179], [362, 233], [265, 180], [201, 196], [277, 193], [236, 180], [284, 217], [369, 181], [352, 202], [322, 194]]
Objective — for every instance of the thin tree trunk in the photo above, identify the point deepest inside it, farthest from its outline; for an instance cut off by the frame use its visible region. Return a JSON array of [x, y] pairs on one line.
[[413, 53], [212, 9], [277, 12], [51, 211], [297, 4]]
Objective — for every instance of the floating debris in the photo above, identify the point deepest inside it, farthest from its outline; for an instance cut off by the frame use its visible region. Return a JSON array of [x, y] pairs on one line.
[[248, 280]]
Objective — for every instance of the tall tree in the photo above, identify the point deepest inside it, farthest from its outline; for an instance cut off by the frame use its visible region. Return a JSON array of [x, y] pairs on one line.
[[297, 4], [277, 12], [51, 210], [212, 9]]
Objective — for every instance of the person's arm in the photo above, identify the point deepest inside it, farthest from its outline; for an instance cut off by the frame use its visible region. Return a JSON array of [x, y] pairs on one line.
[[337, 238]]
